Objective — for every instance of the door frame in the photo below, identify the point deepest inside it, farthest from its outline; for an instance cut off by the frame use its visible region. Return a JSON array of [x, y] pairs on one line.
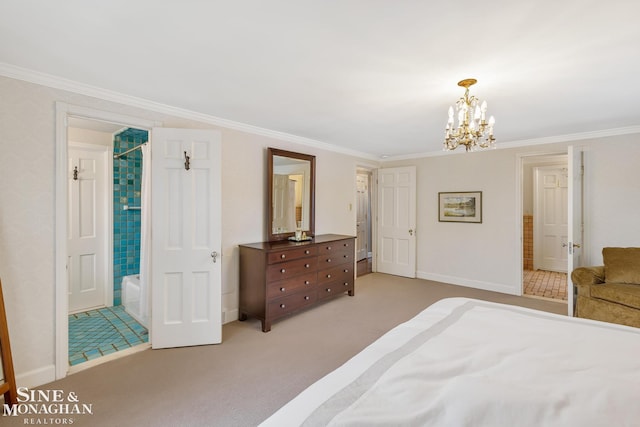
[[108, 199], [63, 112]]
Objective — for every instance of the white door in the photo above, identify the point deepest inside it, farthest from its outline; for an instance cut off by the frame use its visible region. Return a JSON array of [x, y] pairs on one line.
[[362, 216], [186, 238], [396, 249], [550, 217], [576, 224], [86, 227]]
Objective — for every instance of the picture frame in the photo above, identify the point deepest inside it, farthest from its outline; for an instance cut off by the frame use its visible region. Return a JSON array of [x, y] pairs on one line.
[[462, 206]]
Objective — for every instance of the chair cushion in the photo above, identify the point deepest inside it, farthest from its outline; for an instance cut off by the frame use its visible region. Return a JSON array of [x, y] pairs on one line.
[[621, 293], [621, 265]]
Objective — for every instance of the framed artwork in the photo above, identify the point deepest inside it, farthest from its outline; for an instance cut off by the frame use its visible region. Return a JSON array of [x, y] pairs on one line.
[[465, 206]]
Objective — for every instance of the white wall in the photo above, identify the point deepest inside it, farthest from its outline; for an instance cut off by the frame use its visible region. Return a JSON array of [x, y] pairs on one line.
[[27, 206], [489, 255]]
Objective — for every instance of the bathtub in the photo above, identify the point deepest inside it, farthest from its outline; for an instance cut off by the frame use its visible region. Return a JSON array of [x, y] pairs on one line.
[[133, 299]]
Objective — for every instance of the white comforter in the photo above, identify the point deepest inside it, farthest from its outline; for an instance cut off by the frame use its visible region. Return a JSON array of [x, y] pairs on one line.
[[464, 362]]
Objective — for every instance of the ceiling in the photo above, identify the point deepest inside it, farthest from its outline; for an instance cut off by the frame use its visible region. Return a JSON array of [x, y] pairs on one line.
[[374, 76]]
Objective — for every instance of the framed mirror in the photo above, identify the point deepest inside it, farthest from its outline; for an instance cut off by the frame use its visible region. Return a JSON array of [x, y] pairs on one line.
[[291, 194]]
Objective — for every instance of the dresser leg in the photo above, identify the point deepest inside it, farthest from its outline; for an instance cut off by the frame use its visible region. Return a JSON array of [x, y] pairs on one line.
[[266, 326], [242, 317], [352, 292]]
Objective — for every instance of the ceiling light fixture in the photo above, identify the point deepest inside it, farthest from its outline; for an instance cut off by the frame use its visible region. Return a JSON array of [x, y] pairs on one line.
[[473, 130]]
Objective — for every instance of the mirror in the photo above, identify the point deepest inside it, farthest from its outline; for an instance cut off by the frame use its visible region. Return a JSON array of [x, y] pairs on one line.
[[291, 198]]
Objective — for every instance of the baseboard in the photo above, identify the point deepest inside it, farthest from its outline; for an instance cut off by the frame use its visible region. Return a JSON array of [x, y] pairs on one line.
[[37, 377], [461, 281], [229, 315]]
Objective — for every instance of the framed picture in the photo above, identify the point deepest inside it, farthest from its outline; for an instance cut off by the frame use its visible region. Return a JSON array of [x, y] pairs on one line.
[[465, 206]]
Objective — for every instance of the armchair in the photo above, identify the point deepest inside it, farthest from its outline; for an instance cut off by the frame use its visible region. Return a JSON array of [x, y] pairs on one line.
[[610, 293]]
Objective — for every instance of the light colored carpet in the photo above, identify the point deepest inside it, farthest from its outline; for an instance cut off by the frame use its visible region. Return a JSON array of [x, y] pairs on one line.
[[248, 377]]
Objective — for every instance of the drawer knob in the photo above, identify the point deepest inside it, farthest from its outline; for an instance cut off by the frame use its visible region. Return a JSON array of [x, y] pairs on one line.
[[328, 248], [306, 282], [346, 270], [283, 256], [346, 245], [282, 306], [283, 270], [306, 265], [346, 283], [328, 289], [282, 289], [328, 276], [346, 256], [306, 298], [306, 252]]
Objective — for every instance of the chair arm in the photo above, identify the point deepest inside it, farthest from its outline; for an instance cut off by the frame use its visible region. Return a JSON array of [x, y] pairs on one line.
[[585, 276]]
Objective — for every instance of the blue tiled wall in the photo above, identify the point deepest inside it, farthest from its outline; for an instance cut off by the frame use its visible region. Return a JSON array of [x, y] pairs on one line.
[[127, 178]]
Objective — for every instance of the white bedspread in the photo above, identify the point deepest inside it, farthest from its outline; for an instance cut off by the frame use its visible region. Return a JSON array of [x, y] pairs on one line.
[[464, 362]]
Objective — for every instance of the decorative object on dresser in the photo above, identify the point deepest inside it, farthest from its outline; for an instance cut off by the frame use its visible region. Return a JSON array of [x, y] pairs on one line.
[[280, 278]]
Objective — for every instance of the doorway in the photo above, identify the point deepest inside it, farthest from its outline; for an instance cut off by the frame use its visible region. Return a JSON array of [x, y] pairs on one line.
[[107, 123], [107, 301], [544, 226]]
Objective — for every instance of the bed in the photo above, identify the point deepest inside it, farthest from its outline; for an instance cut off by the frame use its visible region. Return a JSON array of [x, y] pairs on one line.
[[469, 362]]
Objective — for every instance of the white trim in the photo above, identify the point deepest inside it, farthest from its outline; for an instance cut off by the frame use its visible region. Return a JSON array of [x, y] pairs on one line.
[[109, 357], [64, 110], [36, 77], [229, 315], [36, 377], [461, 281]]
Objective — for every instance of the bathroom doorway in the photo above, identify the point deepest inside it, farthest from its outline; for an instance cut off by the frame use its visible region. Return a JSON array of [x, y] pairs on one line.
[[544, 226], [107, 306]]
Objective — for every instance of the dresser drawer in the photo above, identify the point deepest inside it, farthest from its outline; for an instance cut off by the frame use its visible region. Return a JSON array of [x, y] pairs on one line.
[[339, 256], [291, 254], [329, 289], [289, 269], [287, 286], [336, 246], [291, 303], [338, 273]]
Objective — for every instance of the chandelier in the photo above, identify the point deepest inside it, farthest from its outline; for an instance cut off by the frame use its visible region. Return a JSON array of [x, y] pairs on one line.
[[473, 130]]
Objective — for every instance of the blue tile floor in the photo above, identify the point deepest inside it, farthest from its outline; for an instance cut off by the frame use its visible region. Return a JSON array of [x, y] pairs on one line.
[[96, 333]]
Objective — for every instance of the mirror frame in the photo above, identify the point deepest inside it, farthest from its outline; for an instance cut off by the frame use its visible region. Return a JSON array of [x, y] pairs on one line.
[[312, 192]]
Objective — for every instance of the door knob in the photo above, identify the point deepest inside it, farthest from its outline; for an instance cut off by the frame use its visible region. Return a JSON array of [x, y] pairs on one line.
[[214, 255], [411, 232]]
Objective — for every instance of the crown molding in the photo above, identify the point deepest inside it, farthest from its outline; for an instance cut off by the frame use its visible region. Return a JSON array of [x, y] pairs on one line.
[[604, 133], [31, 76]]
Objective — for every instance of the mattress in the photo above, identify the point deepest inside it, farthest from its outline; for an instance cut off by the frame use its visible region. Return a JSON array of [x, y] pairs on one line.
[[470, 362]]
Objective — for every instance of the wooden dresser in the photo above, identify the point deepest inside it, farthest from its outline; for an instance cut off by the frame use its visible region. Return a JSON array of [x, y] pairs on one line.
[[279, 278]]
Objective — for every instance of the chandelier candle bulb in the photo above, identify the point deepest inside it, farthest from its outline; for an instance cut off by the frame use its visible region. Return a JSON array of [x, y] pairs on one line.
[[472, 131]]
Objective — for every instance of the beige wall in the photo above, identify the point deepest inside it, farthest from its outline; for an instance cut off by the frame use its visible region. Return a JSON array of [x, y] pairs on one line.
[[27, 208], [488, 255]]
